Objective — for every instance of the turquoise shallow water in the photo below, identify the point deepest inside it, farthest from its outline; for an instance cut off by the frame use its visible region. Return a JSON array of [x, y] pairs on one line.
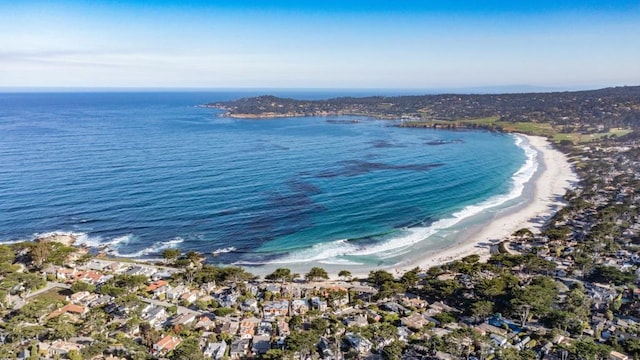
[[136, 173]]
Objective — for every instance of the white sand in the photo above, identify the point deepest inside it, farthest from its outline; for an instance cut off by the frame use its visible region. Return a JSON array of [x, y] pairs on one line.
[[554, 177]]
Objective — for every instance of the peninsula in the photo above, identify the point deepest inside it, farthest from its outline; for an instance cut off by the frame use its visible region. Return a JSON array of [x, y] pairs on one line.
[[610, 107]]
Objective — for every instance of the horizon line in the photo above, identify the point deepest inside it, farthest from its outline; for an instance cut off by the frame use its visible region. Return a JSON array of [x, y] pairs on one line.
[[516, 88]]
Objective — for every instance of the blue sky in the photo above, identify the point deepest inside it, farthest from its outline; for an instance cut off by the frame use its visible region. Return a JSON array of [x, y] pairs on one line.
[[327, 44]]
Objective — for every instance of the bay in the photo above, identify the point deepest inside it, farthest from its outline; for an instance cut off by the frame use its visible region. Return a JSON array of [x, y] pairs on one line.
[[135, 173]]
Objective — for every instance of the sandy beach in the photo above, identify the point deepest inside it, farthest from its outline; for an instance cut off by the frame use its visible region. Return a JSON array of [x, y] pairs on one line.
[[554, 177]]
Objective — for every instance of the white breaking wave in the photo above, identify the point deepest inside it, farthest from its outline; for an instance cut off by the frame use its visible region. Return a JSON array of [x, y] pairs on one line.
[[153, 249], [331, 252], [224, 250]]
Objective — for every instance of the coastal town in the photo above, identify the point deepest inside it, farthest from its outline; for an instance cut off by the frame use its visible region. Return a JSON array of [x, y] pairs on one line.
[[568, 291]]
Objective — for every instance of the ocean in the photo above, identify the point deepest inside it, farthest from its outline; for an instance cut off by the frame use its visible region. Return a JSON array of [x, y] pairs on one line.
[[134, 173]]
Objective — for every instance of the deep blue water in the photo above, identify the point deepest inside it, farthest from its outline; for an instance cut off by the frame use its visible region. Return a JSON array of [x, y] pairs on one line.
[[141, 172]]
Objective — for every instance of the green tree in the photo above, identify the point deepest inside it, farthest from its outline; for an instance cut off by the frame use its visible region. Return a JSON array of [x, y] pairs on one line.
[[74, 355], [515, 354], [589, 350], [273, 354], [481, 309], [319, 325], [189, 349], [316, 273], [301, 342], [148, 335], [280, 274], [7, 258], [234, 274], [578, 303], [94, 349], [391, 288], [610, 274], [345, 274], [523, 234], [170, 255], [393, 351], [295, 323], [410, 278], [39, 253], [534, 299], [62, 329], [79, 286], [194, 256], [379, 277]]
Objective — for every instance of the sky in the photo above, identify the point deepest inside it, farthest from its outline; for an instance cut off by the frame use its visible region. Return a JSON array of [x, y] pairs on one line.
[[401, 44]]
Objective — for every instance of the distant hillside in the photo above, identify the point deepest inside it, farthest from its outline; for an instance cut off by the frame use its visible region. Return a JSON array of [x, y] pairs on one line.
[[611, 107]]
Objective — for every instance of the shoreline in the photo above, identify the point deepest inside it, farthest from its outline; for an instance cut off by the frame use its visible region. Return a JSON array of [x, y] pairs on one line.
[[541, 197], [547, 186]]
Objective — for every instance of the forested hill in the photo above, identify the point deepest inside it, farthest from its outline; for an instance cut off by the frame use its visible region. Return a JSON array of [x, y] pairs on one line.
[[611, 107]]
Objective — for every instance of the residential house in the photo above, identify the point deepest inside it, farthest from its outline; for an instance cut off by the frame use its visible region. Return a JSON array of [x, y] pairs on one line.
[[189, 297], [155, 315], [58, 348], [250, 304], [166, 344], [318, 304], [91, 277], [99, 300], [97, 264], [226, 298], [239, 348], [159, 284], [175, 293], [273, 309], [357, 342], [208, 288], [228, 325], [260, 344], [359, 320], [163, 273], [248, 327], [183, 319], [68, 309], [485, 328], [414, 321], [265, 328], [141, 270], [65, 274], [395, 307], [498, 340], [215, 350], [79, 297], [299, 307], [404, 333], [373, 315], [325, 348], [414, 302], [205, 322], [283, 328]]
